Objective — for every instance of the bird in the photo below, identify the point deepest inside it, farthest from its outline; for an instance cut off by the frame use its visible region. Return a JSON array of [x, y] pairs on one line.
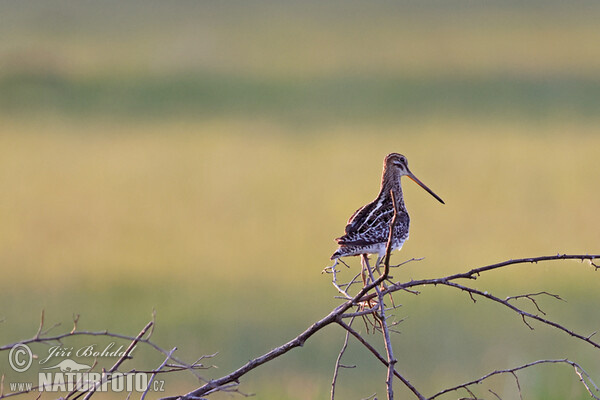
[[367, 230]]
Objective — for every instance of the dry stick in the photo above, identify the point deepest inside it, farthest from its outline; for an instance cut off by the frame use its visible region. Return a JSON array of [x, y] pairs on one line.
[[120, 361], [276, 352], [335, 284], [40, 338], [4, 396], [513, 373], [578, 370], [523, 313], [496, 394], [380, 358], [299, 340], [352, 282], [391, 360], [40, 330], [157, 370], [335, 316], [386, 335], [386, 332], [475, 272], [58, 338], [531, 296], [338, 363]]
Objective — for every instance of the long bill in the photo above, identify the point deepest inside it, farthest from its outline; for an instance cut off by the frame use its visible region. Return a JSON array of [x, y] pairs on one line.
[[418, 182]]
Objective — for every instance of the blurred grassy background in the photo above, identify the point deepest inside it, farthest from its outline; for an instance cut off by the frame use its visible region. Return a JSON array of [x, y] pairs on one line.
[[199, 158]]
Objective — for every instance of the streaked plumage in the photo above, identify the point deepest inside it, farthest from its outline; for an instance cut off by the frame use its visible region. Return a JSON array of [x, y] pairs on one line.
[[368, 228]]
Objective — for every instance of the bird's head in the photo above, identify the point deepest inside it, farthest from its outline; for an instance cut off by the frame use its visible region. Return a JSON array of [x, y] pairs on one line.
[[398, 165]]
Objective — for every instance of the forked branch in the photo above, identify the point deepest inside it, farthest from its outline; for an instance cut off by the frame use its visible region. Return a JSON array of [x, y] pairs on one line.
[[339, 315], [366, 293]]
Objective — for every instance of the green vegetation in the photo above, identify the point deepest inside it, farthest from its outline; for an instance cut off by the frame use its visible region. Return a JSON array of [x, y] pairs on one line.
[[313, 101], [199, 160]]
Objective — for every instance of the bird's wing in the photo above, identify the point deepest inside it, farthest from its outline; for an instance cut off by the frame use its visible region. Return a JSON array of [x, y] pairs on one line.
[[368, 224]]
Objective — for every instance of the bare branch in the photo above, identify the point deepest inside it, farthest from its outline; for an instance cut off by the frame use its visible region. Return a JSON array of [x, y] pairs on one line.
[[380, 358], [407, 261], [160, 367], [475, 272], [368, 300], [338, 363], [532, 299], [583, 375], [364, 295], [58, 338], [120, 361], [523, 313], [299, 340], [333, 271]]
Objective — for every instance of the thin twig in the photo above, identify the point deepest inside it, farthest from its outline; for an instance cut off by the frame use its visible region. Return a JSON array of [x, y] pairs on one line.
[[583, 375], [338, 362], [278, 351], [362, 296], [160, 367], [116, 365], [380, 358], [522, 313], [531, 298]]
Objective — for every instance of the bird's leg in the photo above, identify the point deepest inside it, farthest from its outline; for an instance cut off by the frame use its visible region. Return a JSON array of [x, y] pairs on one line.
[[364, 262], [378, 262], [383, 286], [372, 302]]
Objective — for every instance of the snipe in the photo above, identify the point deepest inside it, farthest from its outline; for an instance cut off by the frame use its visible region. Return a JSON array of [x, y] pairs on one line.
[[368, 228]]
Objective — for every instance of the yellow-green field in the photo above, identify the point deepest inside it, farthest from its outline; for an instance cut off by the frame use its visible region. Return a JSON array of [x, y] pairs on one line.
[[198, 160]]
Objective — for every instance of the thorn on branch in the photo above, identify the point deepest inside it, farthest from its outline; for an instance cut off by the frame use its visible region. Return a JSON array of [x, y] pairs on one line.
[[525, 322], [407, 261], [518, 384], [412, 291], [338, 363], [39, 331], [530, 296], [75, 321], [473, 397], [585, 379], [472, 298]]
